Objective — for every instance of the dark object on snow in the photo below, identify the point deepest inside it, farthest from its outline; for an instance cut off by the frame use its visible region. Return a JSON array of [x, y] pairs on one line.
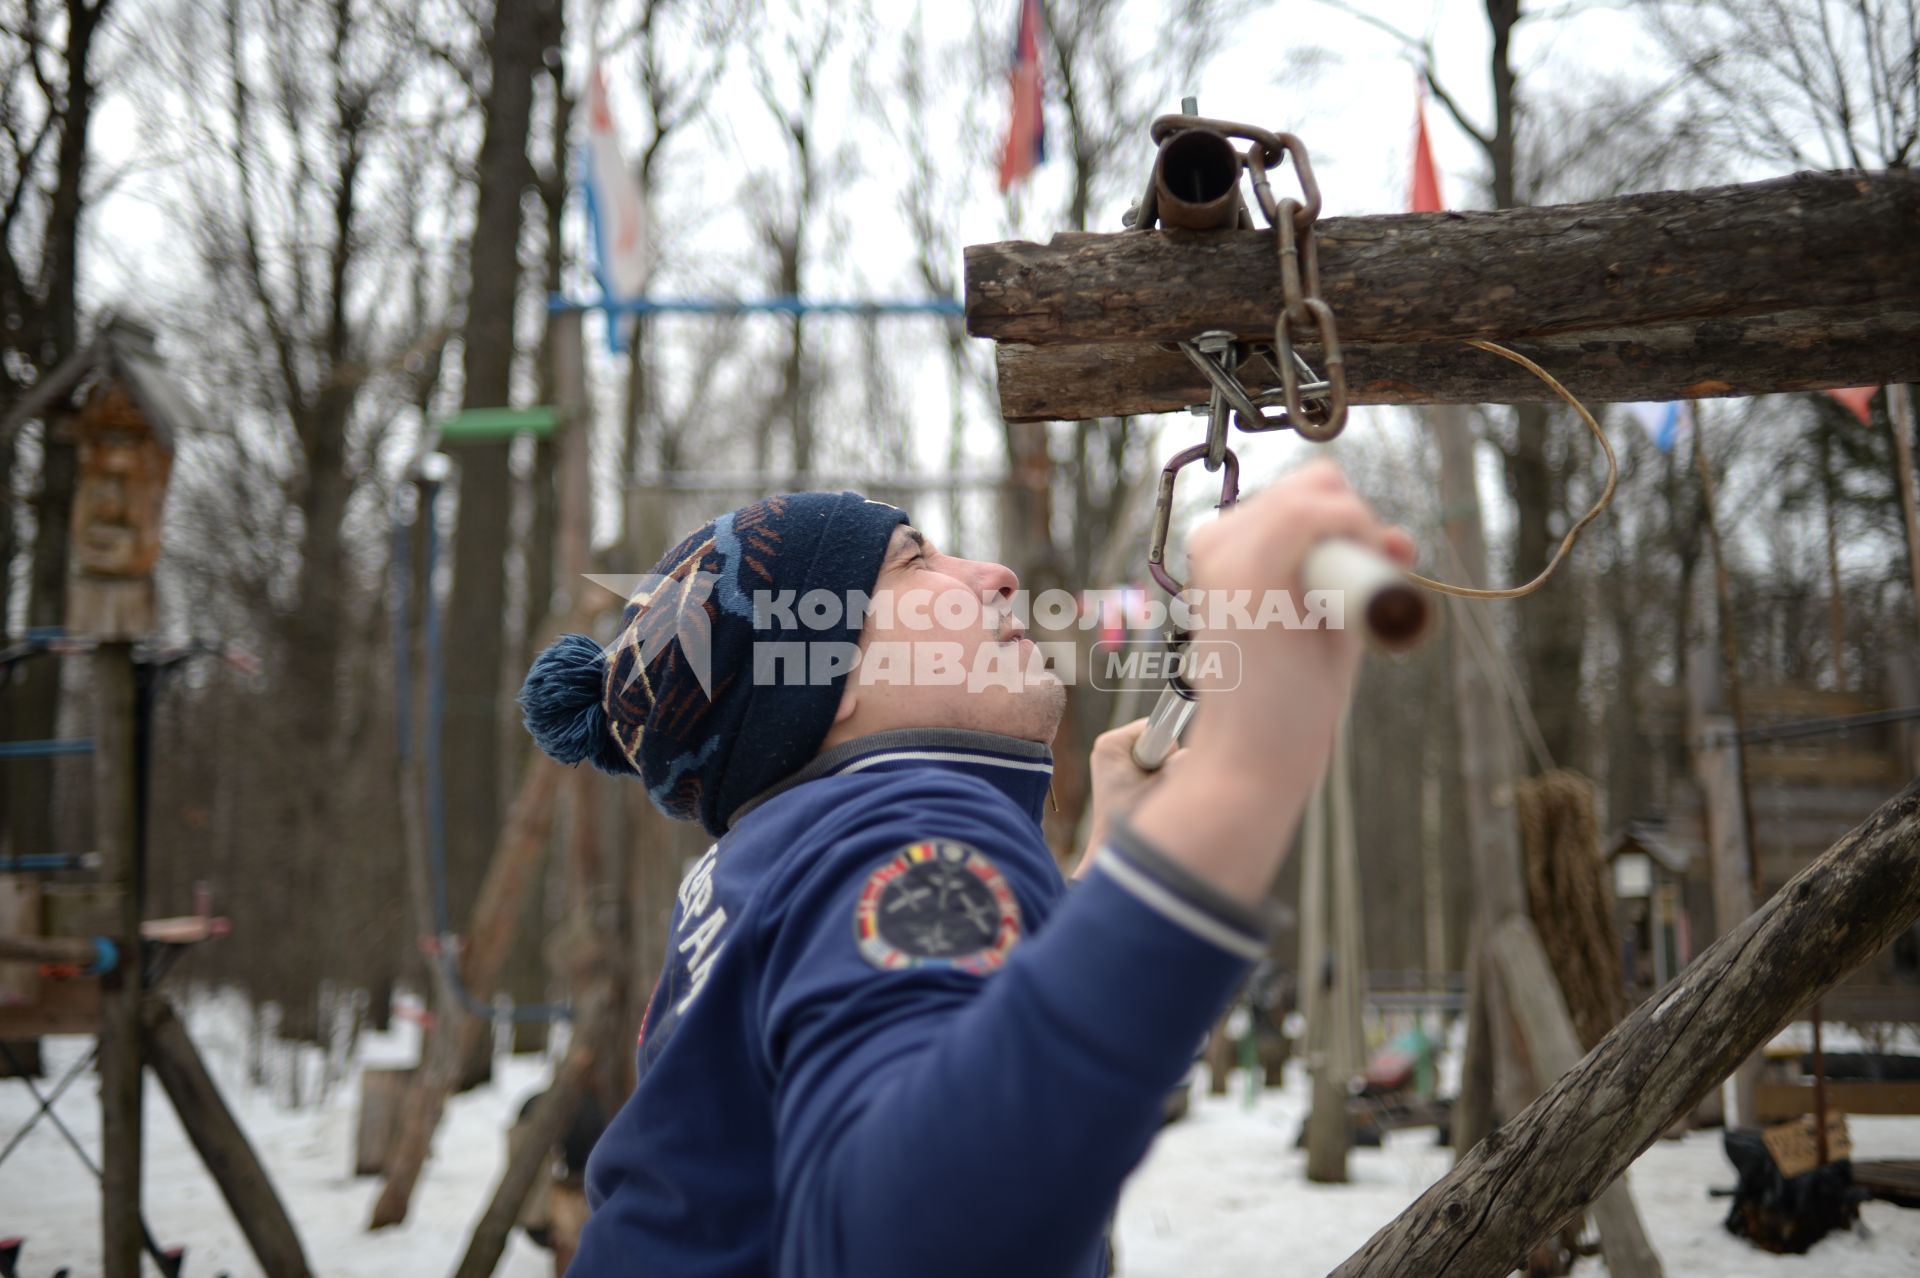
[[1782, 1215], [582, 1134], [10, 1256]]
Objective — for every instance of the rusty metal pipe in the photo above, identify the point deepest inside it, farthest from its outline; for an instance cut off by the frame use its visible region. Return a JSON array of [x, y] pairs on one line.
[[1196, 182]]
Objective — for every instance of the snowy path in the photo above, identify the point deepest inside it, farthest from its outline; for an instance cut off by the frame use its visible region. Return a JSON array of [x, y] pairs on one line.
[[1222, 1194]]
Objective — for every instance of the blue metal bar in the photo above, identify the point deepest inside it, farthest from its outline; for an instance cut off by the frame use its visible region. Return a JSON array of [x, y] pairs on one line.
[[46, 861], [45, 749], [785, 304]]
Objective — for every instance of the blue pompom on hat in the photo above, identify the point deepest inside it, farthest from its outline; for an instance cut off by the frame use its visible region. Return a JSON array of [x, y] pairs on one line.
[[639, 708]]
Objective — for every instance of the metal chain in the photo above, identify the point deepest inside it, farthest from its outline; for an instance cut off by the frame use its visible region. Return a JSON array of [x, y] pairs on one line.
[[1313, 406]]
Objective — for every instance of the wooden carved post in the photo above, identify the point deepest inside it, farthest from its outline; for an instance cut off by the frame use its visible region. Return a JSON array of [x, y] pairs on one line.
[[123, 467]]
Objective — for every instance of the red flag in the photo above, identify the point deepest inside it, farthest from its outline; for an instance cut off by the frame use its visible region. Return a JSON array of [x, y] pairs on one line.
[[1426, 178], [1857, 400], [1027, 130]]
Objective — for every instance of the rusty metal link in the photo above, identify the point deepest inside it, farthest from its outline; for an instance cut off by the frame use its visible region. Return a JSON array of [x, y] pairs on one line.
[[1326, 419], [1163, 508], [1276, 147], [1318, 411]]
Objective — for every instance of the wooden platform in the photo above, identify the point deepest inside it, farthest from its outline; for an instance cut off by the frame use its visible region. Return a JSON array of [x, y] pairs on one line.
[[1776, 1102], [1893, 1180]]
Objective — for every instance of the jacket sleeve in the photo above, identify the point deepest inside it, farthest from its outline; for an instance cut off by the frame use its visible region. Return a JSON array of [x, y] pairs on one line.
[[934, 1122]]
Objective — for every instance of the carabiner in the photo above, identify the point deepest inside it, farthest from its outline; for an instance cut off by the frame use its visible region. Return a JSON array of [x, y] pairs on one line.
[[1163, 508]]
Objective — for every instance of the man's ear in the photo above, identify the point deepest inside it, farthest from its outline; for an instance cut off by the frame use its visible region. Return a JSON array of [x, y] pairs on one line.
[[849, 700]]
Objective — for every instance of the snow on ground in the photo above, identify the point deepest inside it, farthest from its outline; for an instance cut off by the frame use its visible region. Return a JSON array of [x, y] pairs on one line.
[[1222, 1193], [47, 1195]]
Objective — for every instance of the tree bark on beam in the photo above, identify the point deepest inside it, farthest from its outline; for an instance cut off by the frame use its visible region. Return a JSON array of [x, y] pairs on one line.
[[1562, 1151], [1761, 354], [1790, 244]]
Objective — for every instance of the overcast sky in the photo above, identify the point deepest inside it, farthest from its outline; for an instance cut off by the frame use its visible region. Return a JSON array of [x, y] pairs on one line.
[[1352, 107]]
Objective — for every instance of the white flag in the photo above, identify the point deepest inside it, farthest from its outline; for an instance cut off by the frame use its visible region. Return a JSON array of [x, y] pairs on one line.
[[614, 207]]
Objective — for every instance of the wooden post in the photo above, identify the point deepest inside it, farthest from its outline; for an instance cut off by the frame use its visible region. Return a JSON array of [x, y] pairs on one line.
[[1486, 764], [111, 669], [1332, 968], [221, 1144], [1716, 771], [1836, 600], [1730, 653], [125, 460], [1527, 975], [1900, 419], [1520, 1028], [1525, 1180]]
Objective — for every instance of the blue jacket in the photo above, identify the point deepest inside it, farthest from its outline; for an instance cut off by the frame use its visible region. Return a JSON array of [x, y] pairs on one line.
[[889, 1042]]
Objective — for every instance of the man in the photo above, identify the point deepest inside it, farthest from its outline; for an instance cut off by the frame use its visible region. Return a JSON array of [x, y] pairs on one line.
[[889, 1041]]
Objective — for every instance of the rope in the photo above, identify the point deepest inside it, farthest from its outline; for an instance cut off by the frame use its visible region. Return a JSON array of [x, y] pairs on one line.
[[1573, 533]]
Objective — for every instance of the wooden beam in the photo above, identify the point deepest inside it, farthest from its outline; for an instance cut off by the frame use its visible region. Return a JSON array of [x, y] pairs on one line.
[[1790, 244], [221, 1143], [1558, 1155], [1776, 1102], [1760, 354], [75, 951]]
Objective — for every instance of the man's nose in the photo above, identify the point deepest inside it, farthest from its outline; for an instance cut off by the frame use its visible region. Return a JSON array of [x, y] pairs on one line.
[[994, 580]]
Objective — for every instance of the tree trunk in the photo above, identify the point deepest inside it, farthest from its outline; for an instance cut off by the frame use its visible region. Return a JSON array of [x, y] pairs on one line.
[[1527, 1179], [477, 609]]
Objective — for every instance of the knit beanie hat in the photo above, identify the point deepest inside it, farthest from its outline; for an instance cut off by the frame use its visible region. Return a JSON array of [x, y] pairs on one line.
[[689, 698]]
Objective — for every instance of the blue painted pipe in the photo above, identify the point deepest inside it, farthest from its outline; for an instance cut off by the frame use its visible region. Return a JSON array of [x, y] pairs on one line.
[[45, 749], [785, 304]]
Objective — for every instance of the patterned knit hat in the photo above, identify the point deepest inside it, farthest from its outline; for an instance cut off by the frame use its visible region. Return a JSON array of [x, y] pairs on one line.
[[686, 698]]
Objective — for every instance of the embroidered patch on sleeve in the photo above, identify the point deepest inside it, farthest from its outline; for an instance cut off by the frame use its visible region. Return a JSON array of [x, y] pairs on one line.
[[936, 904]]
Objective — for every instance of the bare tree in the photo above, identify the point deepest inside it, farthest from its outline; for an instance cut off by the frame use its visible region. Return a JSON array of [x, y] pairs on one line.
[[48, 57], [306, 179], [789, 206], [476, 742], [1812, 83]]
